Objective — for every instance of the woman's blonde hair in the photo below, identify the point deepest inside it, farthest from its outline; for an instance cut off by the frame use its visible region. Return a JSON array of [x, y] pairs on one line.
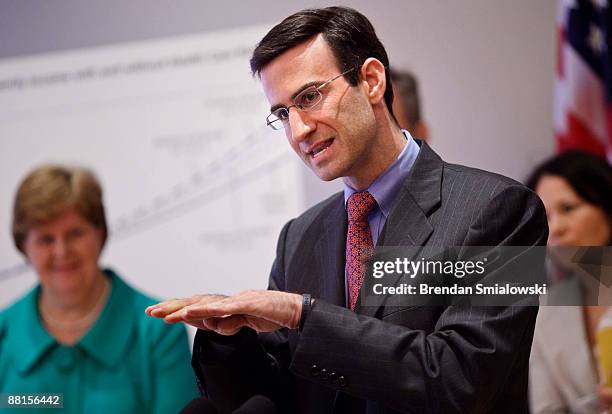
[[49, 191]]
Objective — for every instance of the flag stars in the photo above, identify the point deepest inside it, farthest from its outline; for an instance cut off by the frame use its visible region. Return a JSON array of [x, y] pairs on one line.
[[596, 40]]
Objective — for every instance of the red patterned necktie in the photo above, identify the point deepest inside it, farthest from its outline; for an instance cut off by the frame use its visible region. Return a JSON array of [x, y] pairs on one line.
[[358, 241]]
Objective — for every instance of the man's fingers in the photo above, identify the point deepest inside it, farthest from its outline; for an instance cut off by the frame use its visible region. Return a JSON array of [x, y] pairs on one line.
[[233, 323], [198, 325], [200, 304], [209, 324], [262, 325], [163, 309], [178, 316], [230, 325], [215, 309], [166, 308]]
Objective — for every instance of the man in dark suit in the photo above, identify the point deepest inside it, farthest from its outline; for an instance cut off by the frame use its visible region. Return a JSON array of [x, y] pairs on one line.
[[307, 342]]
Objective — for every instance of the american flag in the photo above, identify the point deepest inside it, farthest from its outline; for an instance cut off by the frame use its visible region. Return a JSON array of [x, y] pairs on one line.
[[583, 90]]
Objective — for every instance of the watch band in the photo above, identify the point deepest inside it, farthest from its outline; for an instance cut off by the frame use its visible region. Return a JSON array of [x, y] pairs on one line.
[[306, 307]]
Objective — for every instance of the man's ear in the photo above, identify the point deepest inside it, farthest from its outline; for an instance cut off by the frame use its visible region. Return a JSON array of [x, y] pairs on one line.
[[373, 78]]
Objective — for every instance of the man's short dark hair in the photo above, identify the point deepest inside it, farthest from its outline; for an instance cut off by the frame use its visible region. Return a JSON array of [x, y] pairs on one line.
[[348, 33], [408, 93]]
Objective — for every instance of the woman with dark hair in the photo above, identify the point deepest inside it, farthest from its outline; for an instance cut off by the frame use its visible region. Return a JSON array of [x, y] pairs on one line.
[[576, 188]]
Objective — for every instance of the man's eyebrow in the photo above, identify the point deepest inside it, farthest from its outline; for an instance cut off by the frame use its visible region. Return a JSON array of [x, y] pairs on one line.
[[299, 91]]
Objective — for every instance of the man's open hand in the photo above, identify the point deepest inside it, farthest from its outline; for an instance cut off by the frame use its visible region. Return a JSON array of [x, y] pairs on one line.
[[261, 310]]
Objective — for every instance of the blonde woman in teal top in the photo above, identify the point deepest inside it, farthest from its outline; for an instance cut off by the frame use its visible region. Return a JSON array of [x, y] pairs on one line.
[[83, 332]]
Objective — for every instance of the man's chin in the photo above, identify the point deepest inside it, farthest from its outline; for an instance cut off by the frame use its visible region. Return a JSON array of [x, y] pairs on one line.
[[325, 171], [325, 175]]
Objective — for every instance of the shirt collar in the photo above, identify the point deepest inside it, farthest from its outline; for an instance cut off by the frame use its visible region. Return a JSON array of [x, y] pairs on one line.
[[26, 338], [385, 187], [29, 341]]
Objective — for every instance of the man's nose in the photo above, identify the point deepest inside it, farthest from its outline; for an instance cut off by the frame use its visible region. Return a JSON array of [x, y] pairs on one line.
[[300, 125]]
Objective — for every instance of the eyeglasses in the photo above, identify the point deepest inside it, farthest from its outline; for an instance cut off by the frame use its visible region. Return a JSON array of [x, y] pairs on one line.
[[304, 101]]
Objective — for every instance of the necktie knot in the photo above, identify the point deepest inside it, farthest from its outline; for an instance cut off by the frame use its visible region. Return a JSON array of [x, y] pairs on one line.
[[359, 206]]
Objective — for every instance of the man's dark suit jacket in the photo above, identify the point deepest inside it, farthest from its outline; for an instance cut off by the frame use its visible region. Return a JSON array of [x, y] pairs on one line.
[[389, 359]]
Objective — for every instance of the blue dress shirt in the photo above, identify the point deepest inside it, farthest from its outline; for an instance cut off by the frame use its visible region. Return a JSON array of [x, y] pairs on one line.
[[385, 188]]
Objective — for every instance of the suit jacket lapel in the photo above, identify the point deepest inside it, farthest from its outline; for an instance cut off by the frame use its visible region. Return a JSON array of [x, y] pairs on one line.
[[408, 223], [333, 248]]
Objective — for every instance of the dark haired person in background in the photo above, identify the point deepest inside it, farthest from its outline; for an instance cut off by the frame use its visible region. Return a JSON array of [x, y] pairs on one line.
[[407, 104], [307, 342], [576, 188]]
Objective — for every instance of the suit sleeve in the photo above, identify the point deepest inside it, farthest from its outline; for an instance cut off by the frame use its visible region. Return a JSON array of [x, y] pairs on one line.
[[459, 367]]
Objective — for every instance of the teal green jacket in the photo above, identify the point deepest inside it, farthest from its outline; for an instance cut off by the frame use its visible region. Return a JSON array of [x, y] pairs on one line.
[[126, 363]]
